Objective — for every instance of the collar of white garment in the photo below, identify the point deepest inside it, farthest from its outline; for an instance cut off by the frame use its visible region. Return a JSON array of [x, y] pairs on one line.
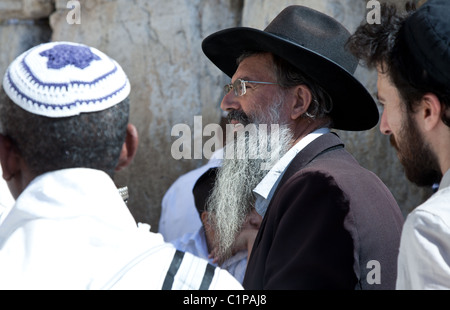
[[266, 188], [78, 190], [445, 182]]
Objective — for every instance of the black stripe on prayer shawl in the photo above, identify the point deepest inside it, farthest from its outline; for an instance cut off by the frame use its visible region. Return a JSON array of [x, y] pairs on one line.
[[207, 277], [173, 269]]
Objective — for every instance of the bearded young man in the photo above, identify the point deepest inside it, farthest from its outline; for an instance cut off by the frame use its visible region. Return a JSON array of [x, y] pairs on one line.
[[327, 222], [410, 52]]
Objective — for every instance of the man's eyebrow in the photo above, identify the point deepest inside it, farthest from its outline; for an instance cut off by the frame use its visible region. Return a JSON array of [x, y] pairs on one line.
[[245, 78]]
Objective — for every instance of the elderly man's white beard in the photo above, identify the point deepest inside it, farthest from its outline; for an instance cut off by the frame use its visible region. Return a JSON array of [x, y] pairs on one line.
[[232, 197]]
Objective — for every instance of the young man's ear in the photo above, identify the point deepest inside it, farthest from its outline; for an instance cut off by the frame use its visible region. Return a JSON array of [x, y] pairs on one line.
[[430, 111], [15, 172], [129, 148], [204, 217]]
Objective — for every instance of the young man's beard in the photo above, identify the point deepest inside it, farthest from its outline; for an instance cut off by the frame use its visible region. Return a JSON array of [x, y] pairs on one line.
[[232, 197], [420, 163]]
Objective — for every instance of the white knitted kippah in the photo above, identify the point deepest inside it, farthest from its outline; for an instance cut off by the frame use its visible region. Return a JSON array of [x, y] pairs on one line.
[[61, 79]]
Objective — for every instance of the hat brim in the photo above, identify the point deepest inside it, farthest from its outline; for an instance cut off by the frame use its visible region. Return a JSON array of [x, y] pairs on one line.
[[354, 109]]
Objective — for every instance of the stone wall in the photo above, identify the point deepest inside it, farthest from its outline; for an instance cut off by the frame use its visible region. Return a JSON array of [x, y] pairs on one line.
[[158, 43]]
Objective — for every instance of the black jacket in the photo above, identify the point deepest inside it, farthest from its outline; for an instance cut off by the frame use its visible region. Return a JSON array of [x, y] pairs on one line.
[[330, 225]]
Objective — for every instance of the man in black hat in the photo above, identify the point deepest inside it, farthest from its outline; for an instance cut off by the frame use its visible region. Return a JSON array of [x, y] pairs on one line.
[[411, 54], [327, 223]]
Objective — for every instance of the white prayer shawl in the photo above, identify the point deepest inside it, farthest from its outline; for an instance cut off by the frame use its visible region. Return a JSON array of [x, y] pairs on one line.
[[196, 244], [70, 229]]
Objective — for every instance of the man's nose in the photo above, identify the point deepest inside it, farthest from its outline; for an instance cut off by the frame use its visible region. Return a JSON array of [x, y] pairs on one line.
[[230, 102], [384, 125]]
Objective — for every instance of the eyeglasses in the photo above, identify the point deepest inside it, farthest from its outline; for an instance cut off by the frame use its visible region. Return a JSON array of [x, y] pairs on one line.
[[239, 86]]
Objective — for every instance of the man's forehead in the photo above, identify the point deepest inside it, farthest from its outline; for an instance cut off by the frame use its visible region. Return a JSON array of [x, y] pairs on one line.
[[384, 79], [388, 93], [255, 65]]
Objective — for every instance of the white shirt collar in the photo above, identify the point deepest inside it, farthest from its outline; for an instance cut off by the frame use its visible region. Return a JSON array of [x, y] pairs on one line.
[[445, 182], [3, 211], [82, 191], [266, 188]]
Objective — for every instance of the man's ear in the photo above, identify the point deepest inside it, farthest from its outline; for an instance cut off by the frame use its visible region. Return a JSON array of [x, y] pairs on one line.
[[430, 111], [9, 158], [129, 148], [204, 217], [303, 98]]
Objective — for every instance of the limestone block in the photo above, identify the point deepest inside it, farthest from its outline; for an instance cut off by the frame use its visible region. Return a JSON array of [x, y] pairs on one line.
[[158, 43], [25, 9], [17, 37]]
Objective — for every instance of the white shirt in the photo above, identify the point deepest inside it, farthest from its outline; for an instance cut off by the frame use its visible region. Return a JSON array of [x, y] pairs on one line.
[[6, 199], [424, 255], [195, 243], [179, 215], [70, 229], [3, 211], [266, 188]]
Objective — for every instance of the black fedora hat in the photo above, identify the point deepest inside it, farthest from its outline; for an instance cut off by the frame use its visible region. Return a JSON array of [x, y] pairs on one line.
[[314, 43]]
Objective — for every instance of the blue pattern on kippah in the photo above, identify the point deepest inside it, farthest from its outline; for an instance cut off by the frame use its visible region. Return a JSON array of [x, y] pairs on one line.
[[34, 78], [63, 55], [67, 105]]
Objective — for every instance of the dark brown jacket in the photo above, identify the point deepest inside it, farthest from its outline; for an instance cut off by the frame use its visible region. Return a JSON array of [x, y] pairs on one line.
[[330, 225]]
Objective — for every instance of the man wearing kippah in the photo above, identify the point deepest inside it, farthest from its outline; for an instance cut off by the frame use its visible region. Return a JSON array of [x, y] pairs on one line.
[[64, 131], [328, 223], [411, 54]]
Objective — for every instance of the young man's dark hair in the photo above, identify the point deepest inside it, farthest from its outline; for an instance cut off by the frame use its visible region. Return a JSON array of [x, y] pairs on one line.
[[384, 46]]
